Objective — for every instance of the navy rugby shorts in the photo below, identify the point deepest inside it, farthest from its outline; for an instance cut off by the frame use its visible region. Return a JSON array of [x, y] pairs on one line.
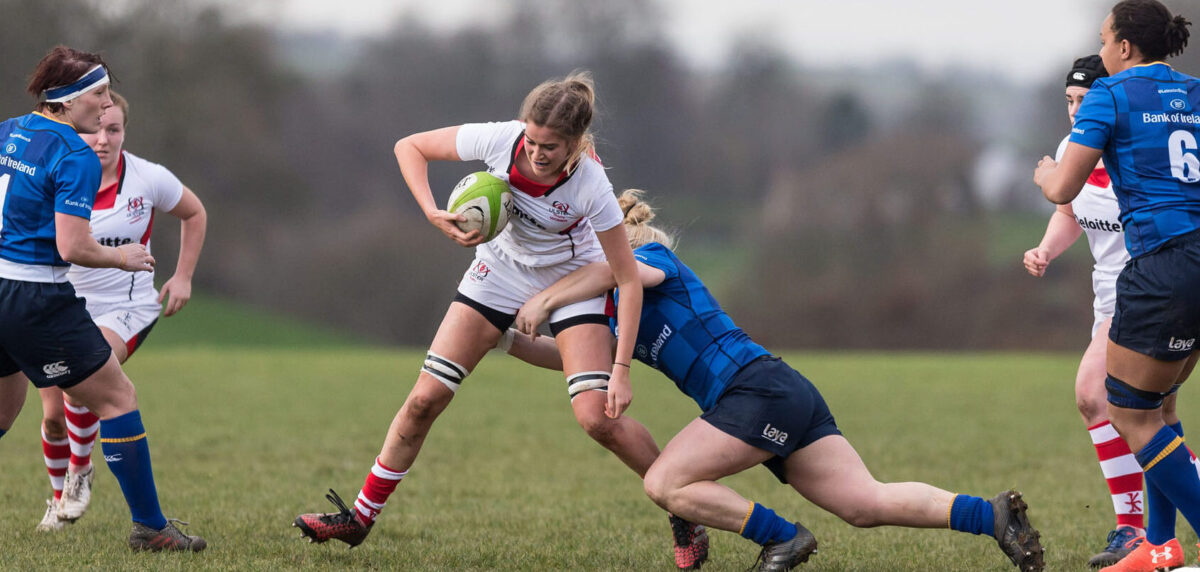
[[1158, 301], [771, 406], [48, 334]]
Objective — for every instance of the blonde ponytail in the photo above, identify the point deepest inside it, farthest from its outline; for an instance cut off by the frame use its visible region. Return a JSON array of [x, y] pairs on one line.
[[638, 215]]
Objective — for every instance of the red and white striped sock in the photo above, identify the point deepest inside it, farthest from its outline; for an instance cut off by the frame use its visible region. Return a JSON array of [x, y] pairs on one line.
[[1123, 473], [57, 455], [82, 428], [376, 490]]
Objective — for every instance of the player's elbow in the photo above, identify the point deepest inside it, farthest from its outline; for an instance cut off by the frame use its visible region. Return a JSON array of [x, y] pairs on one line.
[[70, 251], [1056, 194]]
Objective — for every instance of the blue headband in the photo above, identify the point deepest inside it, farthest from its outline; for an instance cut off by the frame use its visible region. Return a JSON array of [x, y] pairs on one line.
[[93, 79]]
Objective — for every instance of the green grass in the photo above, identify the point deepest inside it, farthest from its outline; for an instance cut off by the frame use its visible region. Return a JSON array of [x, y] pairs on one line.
[[244, 439], [208, 321]]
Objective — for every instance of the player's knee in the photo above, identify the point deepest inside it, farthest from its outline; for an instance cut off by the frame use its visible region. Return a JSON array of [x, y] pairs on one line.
[[424, 407], [1091, 410], [859, 516], [598, 426], [55, 429]]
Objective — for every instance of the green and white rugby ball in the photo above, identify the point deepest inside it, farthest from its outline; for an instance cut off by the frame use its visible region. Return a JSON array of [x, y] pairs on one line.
[[484, 200]]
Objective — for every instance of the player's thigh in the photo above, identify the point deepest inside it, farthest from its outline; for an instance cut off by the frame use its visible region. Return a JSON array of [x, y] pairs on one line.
[[585, 347], [108, 392], [702, 452], [116, 343], [1142, 371], [830, 473], [464, 336], [12, 397]]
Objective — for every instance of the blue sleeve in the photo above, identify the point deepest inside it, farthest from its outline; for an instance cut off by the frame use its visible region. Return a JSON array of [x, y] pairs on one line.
[[658, 256], [76, 180], [1096, 118]]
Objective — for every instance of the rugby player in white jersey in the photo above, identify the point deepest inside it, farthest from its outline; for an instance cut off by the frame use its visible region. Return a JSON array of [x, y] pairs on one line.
[[123, 304], [1095, 214], [564, 216]]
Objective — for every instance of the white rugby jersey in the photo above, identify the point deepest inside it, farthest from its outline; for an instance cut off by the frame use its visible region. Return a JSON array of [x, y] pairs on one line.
[[1097, 212], [548, 224], [124, 213]]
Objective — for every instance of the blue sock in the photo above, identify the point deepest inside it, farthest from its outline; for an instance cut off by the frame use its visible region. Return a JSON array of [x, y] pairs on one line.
[[764, 526], [123, 440], [1167, 463], [3, 431], [972, 514], [1160, 520]]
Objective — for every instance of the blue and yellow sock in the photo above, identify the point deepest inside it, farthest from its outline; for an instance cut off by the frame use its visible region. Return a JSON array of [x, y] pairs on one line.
[[1160, 517], [972, 514], [123, 440], [763, 526], [1167, 464]]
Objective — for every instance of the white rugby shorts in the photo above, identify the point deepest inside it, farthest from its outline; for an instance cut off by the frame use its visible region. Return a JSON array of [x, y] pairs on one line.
[[503, 284], [126, 318], [1104, 286]]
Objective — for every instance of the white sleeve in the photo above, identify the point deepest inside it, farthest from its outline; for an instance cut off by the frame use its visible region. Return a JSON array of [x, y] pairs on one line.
[[486, 141], [165, 187], [1062, 148], [604, 213]]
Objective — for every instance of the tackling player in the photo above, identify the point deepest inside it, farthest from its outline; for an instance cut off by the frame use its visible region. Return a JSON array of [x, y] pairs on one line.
[[124, 305], [48, 183], [564, 216], [1145, 122], [757, 410]]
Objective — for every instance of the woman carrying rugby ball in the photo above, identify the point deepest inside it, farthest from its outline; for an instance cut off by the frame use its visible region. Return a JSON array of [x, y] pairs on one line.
[[564, 217]]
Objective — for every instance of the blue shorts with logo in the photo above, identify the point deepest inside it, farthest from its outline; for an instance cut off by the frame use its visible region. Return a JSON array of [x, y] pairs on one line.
[[771, 406], [48, 334], [1158, 301]]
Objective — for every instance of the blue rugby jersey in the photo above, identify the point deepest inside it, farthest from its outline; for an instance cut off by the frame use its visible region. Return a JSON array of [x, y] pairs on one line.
[[685, 334], [45, 167], [1147, 122]]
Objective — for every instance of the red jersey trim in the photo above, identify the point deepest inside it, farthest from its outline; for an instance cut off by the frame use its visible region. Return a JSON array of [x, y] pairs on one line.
[[107, 196], [523, 183], [1099, 178]]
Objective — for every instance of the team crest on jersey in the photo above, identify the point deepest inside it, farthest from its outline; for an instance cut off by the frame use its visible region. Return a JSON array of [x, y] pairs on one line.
[[135, 209], [479, 272], [560, 211], [10, 148], [1178, 104]]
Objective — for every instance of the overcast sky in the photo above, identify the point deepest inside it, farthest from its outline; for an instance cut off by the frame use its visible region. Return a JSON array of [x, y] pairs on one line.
[[1026, 40]]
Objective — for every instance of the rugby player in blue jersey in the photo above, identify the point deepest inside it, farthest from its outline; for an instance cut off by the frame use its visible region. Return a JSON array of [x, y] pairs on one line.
[[48, 182], [1144, 120], [757, 410]]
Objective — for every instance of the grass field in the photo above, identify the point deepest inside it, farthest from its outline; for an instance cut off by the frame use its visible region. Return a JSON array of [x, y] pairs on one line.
[[245, 438]]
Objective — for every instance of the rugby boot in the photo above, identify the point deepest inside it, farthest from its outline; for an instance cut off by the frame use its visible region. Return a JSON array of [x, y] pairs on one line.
[[1121, 541], [783, 556], [168, 538], [77, 494], [343, 525], [50, 522], [1146, 557], [1016, 537], [691, 543]]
